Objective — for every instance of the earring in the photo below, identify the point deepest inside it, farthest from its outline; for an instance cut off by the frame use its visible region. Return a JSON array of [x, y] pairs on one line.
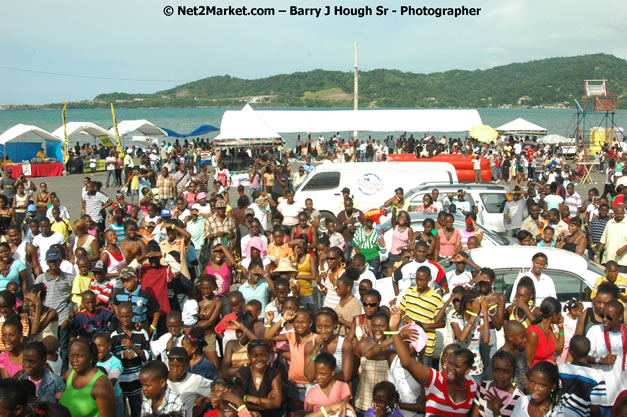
[[530, 303]]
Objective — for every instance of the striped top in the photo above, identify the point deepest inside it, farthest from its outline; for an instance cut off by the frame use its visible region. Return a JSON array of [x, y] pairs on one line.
[[93, 205], [129, 380], [582, 386], [423, 308], [509, 400], [119, 231], [597, 226], [439, 403]]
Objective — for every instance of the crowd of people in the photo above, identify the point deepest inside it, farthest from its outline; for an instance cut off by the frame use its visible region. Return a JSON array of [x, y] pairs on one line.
[[175, 300]]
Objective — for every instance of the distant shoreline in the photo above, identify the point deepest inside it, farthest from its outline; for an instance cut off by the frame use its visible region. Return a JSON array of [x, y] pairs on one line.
[[12, 107]]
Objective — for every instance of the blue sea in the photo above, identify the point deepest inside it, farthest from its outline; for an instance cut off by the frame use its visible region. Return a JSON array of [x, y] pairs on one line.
[[558, 121]]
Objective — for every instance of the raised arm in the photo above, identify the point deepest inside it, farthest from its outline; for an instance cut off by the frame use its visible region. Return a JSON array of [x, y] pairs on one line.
[[420, 372]]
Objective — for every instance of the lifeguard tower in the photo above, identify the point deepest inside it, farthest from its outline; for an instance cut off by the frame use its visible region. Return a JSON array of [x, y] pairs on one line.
[[595, 117]]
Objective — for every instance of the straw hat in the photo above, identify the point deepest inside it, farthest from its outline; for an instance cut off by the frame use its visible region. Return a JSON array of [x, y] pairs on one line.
[[285, 265]]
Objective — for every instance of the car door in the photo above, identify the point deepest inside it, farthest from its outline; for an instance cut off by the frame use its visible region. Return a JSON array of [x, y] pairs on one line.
[[567, 285], [492, 206]]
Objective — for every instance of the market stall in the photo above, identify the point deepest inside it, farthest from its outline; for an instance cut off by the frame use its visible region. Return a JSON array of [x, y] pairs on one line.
[[21, 144]]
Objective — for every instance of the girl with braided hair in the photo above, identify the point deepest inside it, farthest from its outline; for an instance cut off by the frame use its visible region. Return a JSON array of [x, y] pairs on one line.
[[545, 393]]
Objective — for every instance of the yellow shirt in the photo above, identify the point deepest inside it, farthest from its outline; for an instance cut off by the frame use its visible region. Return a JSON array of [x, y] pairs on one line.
[[64, 227], [621, 283], [41, 154], [80, 285]]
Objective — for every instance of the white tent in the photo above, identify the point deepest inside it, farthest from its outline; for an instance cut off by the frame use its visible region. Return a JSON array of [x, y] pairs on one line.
[[421, 120], [521, 126], [26, 133], [75, 128], [244, 124], [143, 126], [23, 142]]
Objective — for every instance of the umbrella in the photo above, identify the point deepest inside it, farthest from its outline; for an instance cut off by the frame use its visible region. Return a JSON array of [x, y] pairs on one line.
[[484, 133], [554, 140]]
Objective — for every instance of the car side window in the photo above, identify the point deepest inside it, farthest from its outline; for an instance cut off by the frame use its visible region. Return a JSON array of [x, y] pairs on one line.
[[323, 181], [567, 285], [505, 281], [494, 202]]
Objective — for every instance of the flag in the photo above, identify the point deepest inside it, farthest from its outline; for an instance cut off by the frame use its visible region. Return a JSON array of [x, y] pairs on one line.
[[66, 158], [115, 129]]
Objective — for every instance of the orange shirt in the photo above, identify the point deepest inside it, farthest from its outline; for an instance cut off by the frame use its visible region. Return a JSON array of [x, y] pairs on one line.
[[297, 357]]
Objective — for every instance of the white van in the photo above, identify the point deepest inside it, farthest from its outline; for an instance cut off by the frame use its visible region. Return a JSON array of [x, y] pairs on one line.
[[370, 183]]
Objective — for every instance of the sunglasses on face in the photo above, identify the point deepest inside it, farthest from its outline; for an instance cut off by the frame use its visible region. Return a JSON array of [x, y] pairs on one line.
[[371, 304], [332, 258], [606, 316]]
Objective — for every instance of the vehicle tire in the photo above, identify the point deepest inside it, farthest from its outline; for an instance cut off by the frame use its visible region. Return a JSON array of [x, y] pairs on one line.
[[324, 216]]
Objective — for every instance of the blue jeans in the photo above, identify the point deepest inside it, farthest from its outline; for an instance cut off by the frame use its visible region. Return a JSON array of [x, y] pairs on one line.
[[349, 250], [64, 346], [307, 301], [111, 173]]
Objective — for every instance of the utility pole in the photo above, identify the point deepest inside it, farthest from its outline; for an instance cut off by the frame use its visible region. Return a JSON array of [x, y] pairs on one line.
[[356, 86]]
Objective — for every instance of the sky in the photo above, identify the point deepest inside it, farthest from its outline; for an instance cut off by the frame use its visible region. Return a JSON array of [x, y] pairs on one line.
[[131, 46]]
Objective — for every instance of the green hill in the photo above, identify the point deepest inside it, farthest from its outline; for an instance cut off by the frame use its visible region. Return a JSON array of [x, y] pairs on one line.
[[552, 82]]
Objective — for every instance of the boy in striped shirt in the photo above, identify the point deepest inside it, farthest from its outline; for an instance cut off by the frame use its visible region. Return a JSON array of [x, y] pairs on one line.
[[132, 347]]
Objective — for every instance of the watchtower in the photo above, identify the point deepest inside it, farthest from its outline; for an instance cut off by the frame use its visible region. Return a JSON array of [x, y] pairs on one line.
[[595, 117]]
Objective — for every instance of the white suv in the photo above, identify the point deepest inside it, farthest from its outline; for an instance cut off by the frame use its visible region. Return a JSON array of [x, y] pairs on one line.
[[490, 198]]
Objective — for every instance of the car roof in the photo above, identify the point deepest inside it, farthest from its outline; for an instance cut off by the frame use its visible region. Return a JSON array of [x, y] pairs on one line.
[[461, 186], [520, 257]]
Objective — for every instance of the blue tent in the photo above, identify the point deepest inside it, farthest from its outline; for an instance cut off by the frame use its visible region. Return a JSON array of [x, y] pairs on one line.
[[200, 130], [21, 143]]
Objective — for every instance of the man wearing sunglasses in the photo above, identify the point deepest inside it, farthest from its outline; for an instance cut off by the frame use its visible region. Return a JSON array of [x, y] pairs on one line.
[[608, 351]]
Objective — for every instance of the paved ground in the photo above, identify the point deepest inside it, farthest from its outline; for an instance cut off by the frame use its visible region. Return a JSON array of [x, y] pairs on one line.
[[68, 189]]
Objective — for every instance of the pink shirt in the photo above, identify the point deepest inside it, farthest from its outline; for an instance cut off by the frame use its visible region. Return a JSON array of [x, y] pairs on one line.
[[399, 239], [5, 362], [317, 398], [223, 279]]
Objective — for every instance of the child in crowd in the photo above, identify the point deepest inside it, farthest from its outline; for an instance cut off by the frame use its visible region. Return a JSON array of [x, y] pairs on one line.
[[60, 225], [82, 281], [49, 386], [131, 346], [327, 390], [193, 388], [281, 291], [158, 397], [169, 340], [210, 308], [515, 339], [498, 396], [100, 285], [92, 319], [11, 358], [223, 329], [113, 367], [253, 307], [145, 306], [191, 308], [547, 238], [573, 309], [53, 357], [582, 385], [297, 340], [193, 343]]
